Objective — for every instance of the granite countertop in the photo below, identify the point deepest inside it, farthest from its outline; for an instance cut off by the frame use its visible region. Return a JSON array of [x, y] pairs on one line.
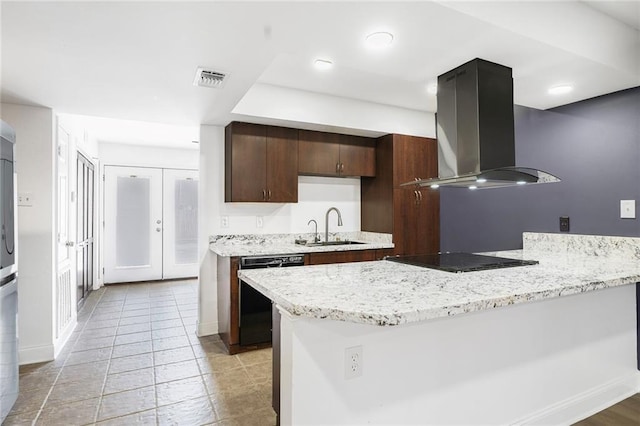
[[274, 244], [388, 293]]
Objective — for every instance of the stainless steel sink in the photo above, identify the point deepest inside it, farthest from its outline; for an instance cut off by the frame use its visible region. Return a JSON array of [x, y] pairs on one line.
[[332, 243]]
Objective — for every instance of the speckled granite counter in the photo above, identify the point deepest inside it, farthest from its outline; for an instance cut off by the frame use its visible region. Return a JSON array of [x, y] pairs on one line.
[[271, 244], [387, 293]]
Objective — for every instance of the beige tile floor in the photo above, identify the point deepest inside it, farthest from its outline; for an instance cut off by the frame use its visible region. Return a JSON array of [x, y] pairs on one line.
[[135, 359]]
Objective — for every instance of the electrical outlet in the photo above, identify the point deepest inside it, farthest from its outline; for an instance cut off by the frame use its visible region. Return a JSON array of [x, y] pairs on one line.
[[564, 223], [353, 362], [224, 222], [259, 222], [25, 199]]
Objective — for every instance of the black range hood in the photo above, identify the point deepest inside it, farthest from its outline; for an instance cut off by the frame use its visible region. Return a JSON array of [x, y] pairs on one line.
[[475, 130]]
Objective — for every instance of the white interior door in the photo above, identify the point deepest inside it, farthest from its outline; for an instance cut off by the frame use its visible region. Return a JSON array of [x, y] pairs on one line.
[[133, 224], [65, 280], [180, 212]]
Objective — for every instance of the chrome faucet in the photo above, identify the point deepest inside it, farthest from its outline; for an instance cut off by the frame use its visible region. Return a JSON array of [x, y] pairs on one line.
[[316, 238], [326, 222]]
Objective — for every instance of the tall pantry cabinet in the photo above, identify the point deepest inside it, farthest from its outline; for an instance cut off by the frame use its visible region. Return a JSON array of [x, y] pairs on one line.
[[411, 214]]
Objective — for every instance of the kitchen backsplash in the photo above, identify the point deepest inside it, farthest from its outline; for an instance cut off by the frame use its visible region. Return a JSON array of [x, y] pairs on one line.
[[575, 244]]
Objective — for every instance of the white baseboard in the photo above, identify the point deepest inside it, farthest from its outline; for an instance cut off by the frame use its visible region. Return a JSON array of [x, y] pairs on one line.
[[585, 404], [34, 354], [206, 328], [64, 337]]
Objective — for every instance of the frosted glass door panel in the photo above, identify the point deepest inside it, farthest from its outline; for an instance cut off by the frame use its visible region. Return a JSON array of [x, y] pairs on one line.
[[186, 221], [181, 223], [133, 243], [133, 224]]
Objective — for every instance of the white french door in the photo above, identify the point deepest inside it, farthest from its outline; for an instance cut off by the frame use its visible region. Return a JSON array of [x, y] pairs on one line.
[[151, 224], [180, 213], [133, 224]]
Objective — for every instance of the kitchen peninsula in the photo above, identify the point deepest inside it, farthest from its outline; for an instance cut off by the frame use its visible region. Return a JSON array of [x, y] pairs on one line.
[[548, 343]]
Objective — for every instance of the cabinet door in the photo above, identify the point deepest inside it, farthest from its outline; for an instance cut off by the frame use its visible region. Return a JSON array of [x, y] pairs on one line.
[[245, 162], [428, 221], [416, 221], [318, 153], [341, 257], [357, 156], [282, 165], [414, 157]]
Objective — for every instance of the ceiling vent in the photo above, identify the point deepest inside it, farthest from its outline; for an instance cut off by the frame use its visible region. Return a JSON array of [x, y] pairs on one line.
[[209, 78]]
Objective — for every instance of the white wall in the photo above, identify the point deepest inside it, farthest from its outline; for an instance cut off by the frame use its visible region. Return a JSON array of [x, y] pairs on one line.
[[302, 109], [544, 362], [211, 179], [146, 156], [35, 155], [82, 137]]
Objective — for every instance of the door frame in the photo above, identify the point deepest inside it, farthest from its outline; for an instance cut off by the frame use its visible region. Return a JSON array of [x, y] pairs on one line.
[[65, 308], [101, 211], [95, 216]]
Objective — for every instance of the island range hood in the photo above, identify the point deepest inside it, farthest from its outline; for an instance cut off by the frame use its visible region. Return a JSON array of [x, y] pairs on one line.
[[475, 130]]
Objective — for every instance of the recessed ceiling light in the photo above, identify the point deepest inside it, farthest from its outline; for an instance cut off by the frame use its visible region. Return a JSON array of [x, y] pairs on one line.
[[432, 88], [379, 39], [561, 89], [323, 64]]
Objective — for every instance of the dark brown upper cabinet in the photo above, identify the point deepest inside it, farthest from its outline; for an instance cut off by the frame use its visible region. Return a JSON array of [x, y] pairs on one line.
[[261, 163], [410, 214], [333, 154]]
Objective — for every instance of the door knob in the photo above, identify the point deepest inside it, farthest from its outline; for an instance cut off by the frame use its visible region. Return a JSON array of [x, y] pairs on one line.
[[158, 221], [158, 229], [69, 243]]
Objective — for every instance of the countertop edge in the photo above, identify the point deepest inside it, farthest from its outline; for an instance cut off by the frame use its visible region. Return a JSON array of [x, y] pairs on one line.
[[445, 311], [296, 249]]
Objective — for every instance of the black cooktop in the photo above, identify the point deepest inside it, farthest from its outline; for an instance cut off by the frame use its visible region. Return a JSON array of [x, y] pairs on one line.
[[460, 262]]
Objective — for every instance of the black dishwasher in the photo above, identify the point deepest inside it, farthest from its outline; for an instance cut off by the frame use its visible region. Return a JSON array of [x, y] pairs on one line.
[[255, 309]]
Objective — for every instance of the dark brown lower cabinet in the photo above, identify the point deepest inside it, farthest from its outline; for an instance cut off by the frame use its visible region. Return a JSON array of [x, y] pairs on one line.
[[229, 306], [341, 257]]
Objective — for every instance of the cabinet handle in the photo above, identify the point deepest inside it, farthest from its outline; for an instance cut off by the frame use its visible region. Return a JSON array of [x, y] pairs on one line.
[[419, 196], [264, 194], [415, 193], [341, 167], [269, 195], [337, 167]]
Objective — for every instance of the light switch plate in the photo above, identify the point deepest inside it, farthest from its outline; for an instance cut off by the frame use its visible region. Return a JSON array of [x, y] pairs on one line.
[[627, 209]]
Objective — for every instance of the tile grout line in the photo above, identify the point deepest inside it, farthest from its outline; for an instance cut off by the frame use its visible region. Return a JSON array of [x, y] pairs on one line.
[[46, 398], [106, 375]]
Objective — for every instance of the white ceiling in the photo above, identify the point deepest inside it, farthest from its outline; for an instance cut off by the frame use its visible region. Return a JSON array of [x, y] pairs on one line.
[[137, 60]]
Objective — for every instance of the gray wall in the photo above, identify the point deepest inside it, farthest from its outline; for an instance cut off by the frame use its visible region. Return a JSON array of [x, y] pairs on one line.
[[593, 146]]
